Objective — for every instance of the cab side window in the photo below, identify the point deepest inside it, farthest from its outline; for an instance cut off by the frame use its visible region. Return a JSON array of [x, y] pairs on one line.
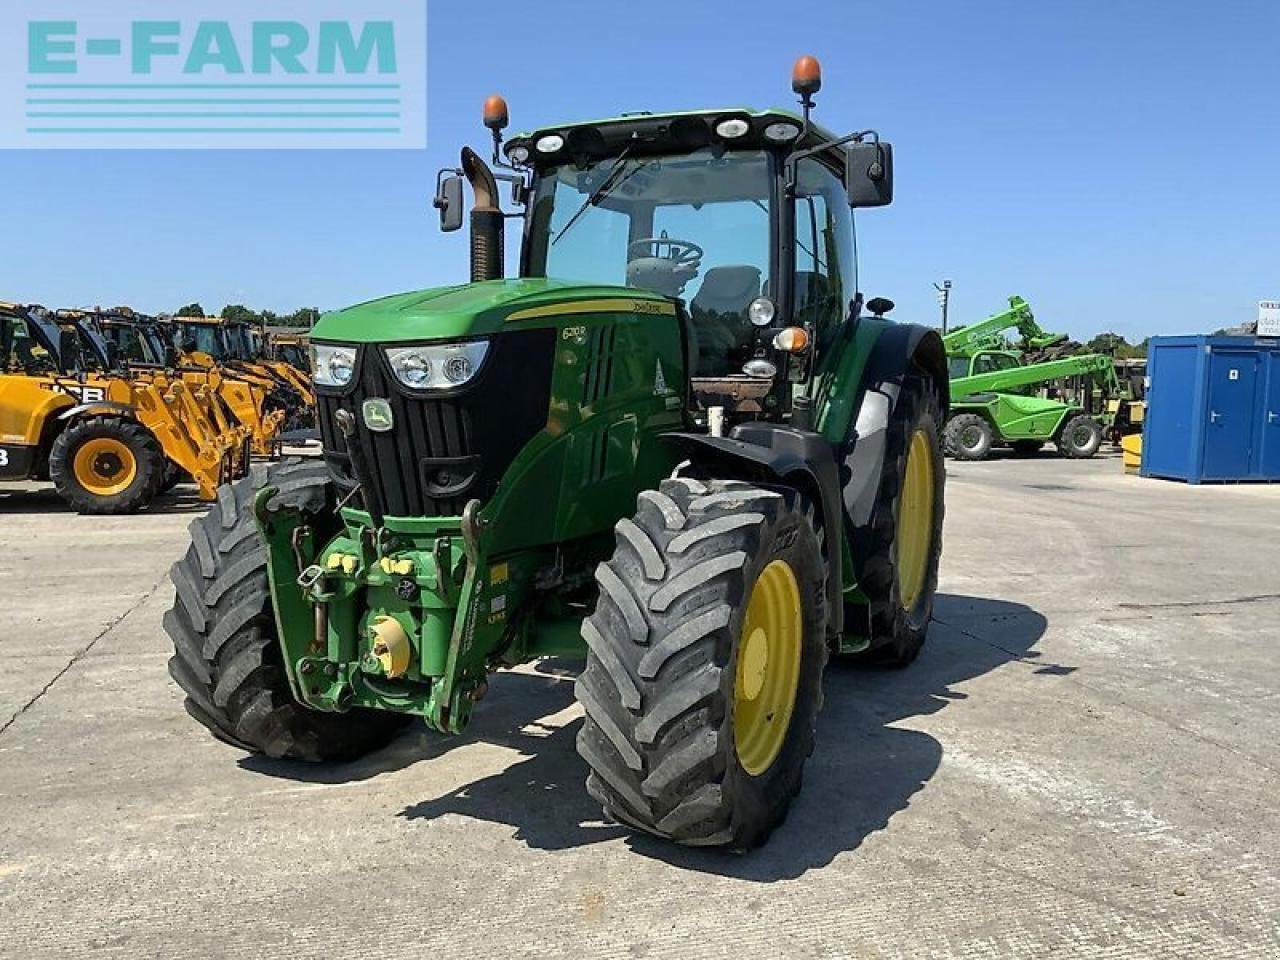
[[983, 364], [21, 350], [825, 280]]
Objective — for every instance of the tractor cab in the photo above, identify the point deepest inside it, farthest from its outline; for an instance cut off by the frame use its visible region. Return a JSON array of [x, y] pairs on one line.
[[698, 226], [743, 219]]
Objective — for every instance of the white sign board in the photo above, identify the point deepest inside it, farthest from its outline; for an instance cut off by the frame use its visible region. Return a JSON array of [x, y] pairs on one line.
[[1269, 318]]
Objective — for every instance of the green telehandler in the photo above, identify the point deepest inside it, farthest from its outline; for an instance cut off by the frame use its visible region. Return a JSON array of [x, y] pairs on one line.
[[675, 445], [992, 402]]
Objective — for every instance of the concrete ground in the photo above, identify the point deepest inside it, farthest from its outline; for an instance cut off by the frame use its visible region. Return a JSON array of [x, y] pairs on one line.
[[1083, 763]]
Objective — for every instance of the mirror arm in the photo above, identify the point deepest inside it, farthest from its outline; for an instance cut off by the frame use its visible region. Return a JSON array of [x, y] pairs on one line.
[[519, 184], [793, 159]]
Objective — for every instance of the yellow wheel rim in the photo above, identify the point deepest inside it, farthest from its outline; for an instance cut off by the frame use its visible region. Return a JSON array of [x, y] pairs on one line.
[[105, 466], [768, 673], [915, 520]]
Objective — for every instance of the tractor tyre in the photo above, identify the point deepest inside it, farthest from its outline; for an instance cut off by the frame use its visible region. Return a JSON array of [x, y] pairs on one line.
[[895, 559], [227, 658], [1080, 438], [968, 436], [704, 662], [1027, 448], [106, 465]]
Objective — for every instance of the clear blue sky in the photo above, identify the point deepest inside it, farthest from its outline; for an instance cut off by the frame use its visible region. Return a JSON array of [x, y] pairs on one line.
[[1117, 163]]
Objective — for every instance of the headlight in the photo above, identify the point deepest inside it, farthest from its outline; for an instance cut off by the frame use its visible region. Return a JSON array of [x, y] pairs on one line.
[[781, 132], [332, 365], [732, 128], [761, 311], [437, 366]]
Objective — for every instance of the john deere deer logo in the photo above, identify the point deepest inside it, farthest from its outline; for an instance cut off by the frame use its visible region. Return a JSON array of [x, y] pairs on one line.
[[377, 415]]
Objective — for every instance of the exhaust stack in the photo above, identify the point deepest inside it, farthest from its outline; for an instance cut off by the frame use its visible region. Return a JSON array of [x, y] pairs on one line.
[[486, 219]]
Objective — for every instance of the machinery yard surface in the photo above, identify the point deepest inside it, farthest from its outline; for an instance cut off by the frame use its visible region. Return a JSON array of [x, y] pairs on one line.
[[1082, 763]]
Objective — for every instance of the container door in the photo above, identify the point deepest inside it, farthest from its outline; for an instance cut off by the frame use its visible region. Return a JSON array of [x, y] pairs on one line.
[[1269, 424], [1229, 432]]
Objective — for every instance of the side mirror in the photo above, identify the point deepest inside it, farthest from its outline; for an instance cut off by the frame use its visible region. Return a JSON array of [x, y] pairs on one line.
[[449, 201], [869, 174], [69, 348]]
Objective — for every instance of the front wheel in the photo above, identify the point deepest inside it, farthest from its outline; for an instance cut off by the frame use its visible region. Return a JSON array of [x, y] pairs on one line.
[[1080, 438], [227, 659], [704, 664]]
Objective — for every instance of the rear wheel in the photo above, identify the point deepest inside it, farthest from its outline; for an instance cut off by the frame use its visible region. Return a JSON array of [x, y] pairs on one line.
[[1080, 438], [105, 465], [895, 558], [704, 666], [968, 437], [227, 658]]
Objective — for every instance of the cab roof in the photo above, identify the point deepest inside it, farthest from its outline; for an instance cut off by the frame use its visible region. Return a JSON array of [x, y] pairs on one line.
[[651, 133]]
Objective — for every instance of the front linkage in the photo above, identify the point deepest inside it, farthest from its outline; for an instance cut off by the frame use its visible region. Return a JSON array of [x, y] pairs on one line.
[[410, 619]]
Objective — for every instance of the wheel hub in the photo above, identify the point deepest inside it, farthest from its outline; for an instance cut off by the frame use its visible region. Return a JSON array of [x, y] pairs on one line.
[[105, 466], [768, 670], [915, 520]]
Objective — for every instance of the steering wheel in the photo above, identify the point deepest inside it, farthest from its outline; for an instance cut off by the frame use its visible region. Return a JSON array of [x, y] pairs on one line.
[[682, 253]]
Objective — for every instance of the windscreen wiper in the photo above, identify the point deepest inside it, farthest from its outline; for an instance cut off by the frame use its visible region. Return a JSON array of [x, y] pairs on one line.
[[610, 183]]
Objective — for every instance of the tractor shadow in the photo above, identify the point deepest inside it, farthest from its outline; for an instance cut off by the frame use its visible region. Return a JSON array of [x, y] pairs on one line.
[[863, 770]]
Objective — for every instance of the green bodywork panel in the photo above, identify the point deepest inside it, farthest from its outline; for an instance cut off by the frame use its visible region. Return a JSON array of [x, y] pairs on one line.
[[468, 310]]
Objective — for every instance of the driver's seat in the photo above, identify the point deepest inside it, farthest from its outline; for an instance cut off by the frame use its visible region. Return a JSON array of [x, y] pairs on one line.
[[719, 312]]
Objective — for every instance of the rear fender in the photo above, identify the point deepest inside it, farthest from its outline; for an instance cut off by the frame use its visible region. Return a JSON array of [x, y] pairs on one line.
[[769, 453], [900, 350]]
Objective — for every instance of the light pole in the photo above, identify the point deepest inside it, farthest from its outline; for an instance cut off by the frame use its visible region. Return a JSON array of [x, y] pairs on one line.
[[944, 300]]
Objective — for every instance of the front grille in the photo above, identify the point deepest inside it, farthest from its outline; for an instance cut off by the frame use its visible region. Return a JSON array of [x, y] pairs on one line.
[[444, 448]]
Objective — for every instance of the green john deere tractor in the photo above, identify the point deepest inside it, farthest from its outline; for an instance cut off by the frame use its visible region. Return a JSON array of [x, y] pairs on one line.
[[691, 458]]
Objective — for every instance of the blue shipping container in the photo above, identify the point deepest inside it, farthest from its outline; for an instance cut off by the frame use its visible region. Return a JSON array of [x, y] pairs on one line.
[[1213, 409]]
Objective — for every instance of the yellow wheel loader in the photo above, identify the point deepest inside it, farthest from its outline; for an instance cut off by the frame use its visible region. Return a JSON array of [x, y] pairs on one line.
[[209, 342], [143, 342], [105, 441]]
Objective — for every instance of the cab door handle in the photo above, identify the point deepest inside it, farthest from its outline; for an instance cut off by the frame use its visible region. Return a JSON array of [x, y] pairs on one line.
[[1214, 416]]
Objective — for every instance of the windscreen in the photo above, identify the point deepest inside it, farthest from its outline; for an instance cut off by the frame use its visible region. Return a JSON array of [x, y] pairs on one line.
[[694, 226]]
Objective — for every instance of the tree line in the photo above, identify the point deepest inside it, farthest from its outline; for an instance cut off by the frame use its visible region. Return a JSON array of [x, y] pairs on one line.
[[1118, 346], [302, 317]]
